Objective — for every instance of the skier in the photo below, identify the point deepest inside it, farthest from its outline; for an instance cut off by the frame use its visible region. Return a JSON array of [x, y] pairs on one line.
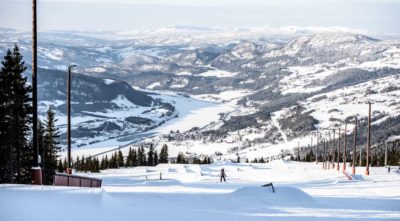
[[222, 175]]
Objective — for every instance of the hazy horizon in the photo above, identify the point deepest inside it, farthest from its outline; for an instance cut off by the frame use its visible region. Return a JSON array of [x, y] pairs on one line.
[[123, 15]]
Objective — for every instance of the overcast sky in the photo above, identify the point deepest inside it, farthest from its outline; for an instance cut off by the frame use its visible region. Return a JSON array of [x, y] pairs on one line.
[[379, 16]]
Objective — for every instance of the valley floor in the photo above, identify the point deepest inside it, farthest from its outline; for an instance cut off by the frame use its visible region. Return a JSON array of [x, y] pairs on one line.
[[192, 192]]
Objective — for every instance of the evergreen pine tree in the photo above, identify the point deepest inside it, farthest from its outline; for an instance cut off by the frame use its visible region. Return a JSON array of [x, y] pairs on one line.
[[60, 167], [129, 160], [180, 158], [51, 147], [106, 163], [96, 165], [120, 159], [155, 158], [88, 164], [113, 161], [82, 165], [15, 120], [164, 154], [102, 163], [134, 158], [65, 164], [140, 156], [150, 156], [78, 164]]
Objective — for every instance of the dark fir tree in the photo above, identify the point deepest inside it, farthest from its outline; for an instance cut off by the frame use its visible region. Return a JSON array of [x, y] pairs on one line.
[[120, 159], [150, 156], [15, 120], [113, 161], [51, 147], [164, 154], [134, 158], [60, 167], [103, 163], [180, 158], [141, 156], [129, 158], [65, 164], [82, 164], [106, 163], [78, 164], [155, 158]]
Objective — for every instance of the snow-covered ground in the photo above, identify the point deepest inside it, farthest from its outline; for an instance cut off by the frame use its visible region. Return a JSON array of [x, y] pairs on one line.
[[192, 192], [353, 101]]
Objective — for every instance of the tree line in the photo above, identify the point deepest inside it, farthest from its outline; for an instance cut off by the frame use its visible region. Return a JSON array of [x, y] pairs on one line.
[[329, 152], [135, 157]]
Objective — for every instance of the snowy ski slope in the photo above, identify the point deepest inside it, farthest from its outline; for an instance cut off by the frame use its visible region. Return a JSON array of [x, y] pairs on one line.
[[192, 192]]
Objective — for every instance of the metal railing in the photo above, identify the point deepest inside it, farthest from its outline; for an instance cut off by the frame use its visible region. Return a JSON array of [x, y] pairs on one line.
[[62, 179]]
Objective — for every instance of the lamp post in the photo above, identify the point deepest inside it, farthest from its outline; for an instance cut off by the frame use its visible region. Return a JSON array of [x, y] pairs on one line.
[[386, 154], [338, 153], [36, 170], [69, 169], [369, 139], [316, 149], [326, 150], [316, 146], [331, 158], [323, 154], [354, 146], [345, 146]]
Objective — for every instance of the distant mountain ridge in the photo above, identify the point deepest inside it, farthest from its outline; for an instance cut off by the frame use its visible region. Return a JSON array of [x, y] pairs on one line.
[[275, 77]]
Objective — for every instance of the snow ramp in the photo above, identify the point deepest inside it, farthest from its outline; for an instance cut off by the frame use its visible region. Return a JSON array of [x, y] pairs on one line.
[[283, 195]]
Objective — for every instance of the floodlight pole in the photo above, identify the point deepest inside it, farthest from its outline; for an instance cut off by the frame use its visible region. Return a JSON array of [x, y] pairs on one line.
[[331, 159], [386, 154], [338, 153], [69, 169], [316, 150], [354, 146], [369, 139], [36, 170], [323, 154], [345, 147]]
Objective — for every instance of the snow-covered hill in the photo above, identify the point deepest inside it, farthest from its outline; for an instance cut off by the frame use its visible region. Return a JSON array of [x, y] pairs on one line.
[[102, 109], [276, 84]]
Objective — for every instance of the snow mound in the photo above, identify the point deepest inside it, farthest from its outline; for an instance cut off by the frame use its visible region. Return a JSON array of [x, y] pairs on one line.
[[282, 195], [278, 163], [227, 163], [165, 182]]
